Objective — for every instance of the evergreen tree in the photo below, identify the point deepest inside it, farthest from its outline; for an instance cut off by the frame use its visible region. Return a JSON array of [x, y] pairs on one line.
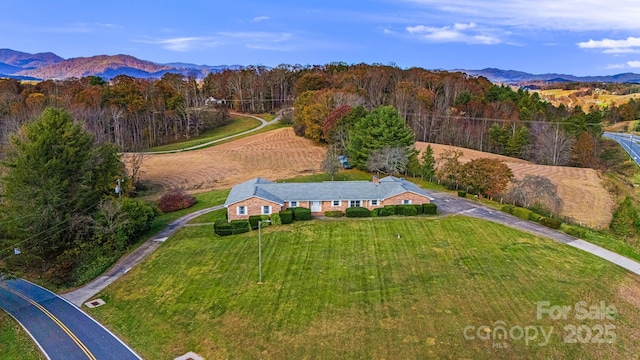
[[428, 164], [54, 181], [382, 127]]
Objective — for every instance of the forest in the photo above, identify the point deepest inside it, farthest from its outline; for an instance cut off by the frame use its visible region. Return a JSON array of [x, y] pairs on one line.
[[439, 106]]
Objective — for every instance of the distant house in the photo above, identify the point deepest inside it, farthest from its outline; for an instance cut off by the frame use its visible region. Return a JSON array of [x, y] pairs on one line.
[[262, 197]]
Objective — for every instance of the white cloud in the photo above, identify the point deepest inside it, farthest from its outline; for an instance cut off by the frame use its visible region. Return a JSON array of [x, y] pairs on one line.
[[576, 15], [629, 64], [260, 18], [634, 64], [630, 45], [252, 40], [459, 32]]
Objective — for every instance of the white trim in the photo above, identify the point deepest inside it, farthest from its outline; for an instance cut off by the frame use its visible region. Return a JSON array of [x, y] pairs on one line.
[[359, 203], [406, 202], [376, 204], [268, 209], [333, 203], [291, 203], [241, 207]]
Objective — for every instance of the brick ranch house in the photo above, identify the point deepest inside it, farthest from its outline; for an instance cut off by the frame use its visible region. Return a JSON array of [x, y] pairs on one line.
[[262, 197]]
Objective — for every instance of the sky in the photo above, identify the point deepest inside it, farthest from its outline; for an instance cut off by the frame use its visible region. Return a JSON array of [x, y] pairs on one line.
[[577, 37]]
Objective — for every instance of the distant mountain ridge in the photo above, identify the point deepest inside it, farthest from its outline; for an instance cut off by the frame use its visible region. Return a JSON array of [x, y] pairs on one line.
[[43, 66], [515, 77], [47, 65]]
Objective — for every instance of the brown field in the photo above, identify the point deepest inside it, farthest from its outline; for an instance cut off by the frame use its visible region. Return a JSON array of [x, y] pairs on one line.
[[280, 154], [273, 155], [585, 199], [568, 98]]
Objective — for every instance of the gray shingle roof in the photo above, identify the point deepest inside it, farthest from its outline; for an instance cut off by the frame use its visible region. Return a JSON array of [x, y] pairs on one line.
[[328, 190]]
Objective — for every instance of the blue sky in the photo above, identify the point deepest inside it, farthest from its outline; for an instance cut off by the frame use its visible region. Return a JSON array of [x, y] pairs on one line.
[[580, 37]]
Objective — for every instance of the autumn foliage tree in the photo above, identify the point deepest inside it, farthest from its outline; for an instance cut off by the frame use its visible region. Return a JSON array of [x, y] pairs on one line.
[[486, 176]]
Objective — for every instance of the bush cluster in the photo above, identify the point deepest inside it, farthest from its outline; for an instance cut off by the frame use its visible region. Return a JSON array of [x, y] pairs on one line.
[[240, 226], [222, 227], [286, 216], [176, 199], [522, 213], [334, 213], [550, 223], [429, 209], [575, 232], [275, 219], [357, 212], [462, 193], [301, 213]]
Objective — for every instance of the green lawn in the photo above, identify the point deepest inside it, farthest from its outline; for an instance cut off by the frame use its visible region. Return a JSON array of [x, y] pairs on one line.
[[15, 344], [353, 289], [237, 125]]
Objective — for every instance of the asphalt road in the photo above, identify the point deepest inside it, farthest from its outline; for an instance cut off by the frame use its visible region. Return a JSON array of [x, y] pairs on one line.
[[629, 143], [61, 330]]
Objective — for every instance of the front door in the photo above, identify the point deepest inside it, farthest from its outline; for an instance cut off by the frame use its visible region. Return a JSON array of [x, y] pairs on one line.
[[316, 206]]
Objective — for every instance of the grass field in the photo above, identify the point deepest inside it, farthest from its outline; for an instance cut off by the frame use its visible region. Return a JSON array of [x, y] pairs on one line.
[[15, 344], [559, 96], [237, 125], [353, 289]]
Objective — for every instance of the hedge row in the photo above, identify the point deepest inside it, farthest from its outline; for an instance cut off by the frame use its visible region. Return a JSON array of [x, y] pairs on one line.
[[357, 212], [301, 213], [527, 214], [336, 213]]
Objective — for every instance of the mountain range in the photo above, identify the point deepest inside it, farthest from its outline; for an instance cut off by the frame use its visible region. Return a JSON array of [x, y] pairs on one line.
[[43, 66], [47, 65]]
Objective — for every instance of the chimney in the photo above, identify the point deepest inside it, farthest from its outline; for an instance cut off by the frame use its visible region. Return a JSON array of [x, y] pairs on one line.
[[376, 180]]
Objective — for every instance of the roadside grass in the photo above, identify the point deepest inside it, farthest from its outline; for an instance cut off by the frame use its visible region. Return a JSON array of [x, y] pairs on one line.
[[238, 125], [204, 200], [210, 217], [15, 343], [352, 288]]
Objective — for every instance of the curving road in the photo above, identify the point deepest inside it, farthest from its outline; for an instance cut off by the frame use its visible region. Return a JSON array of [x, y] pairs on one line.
[[263, 123], [61, 330], [629, 143]]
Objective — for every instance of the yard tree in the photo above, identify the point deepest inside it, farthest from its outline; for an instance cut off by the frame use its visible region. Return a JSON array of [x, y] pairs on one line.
[[382, 127], [55, 177], [389, 160], [486, 176], [449, 167], [428, 164], [535, 190], [330, 164]]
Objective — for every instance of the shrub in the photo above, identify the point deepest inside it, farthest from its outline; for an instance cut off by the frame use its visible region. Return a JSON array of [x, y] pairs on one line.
[[550, 223], [430, 209], [222, 227], [253, 220], [374, 213], [535, 217], [410, 211], [286, 216], [399, 209], [462, 193], [138, 217], [357, 211], [391, 209], [176, 199], [522, 213], [508, 209], [300, 213], [240, 226], [419, 209], [576, 232], [275, 219], [336, 213], [383, 212]]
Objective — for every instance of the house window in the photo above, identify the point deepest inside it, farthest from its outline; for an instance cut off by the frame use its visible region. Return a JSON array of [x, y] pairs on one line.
[[293, 204], [353, 203], [406, 202], [337, 203], [374, 202], [266, 210], [241, 210]]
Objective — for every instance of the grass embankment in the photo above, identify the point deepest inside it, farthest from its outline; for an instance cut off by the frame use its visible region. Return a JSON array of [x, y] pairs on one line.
[[15, 344], [353, 289], [237, 125]]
